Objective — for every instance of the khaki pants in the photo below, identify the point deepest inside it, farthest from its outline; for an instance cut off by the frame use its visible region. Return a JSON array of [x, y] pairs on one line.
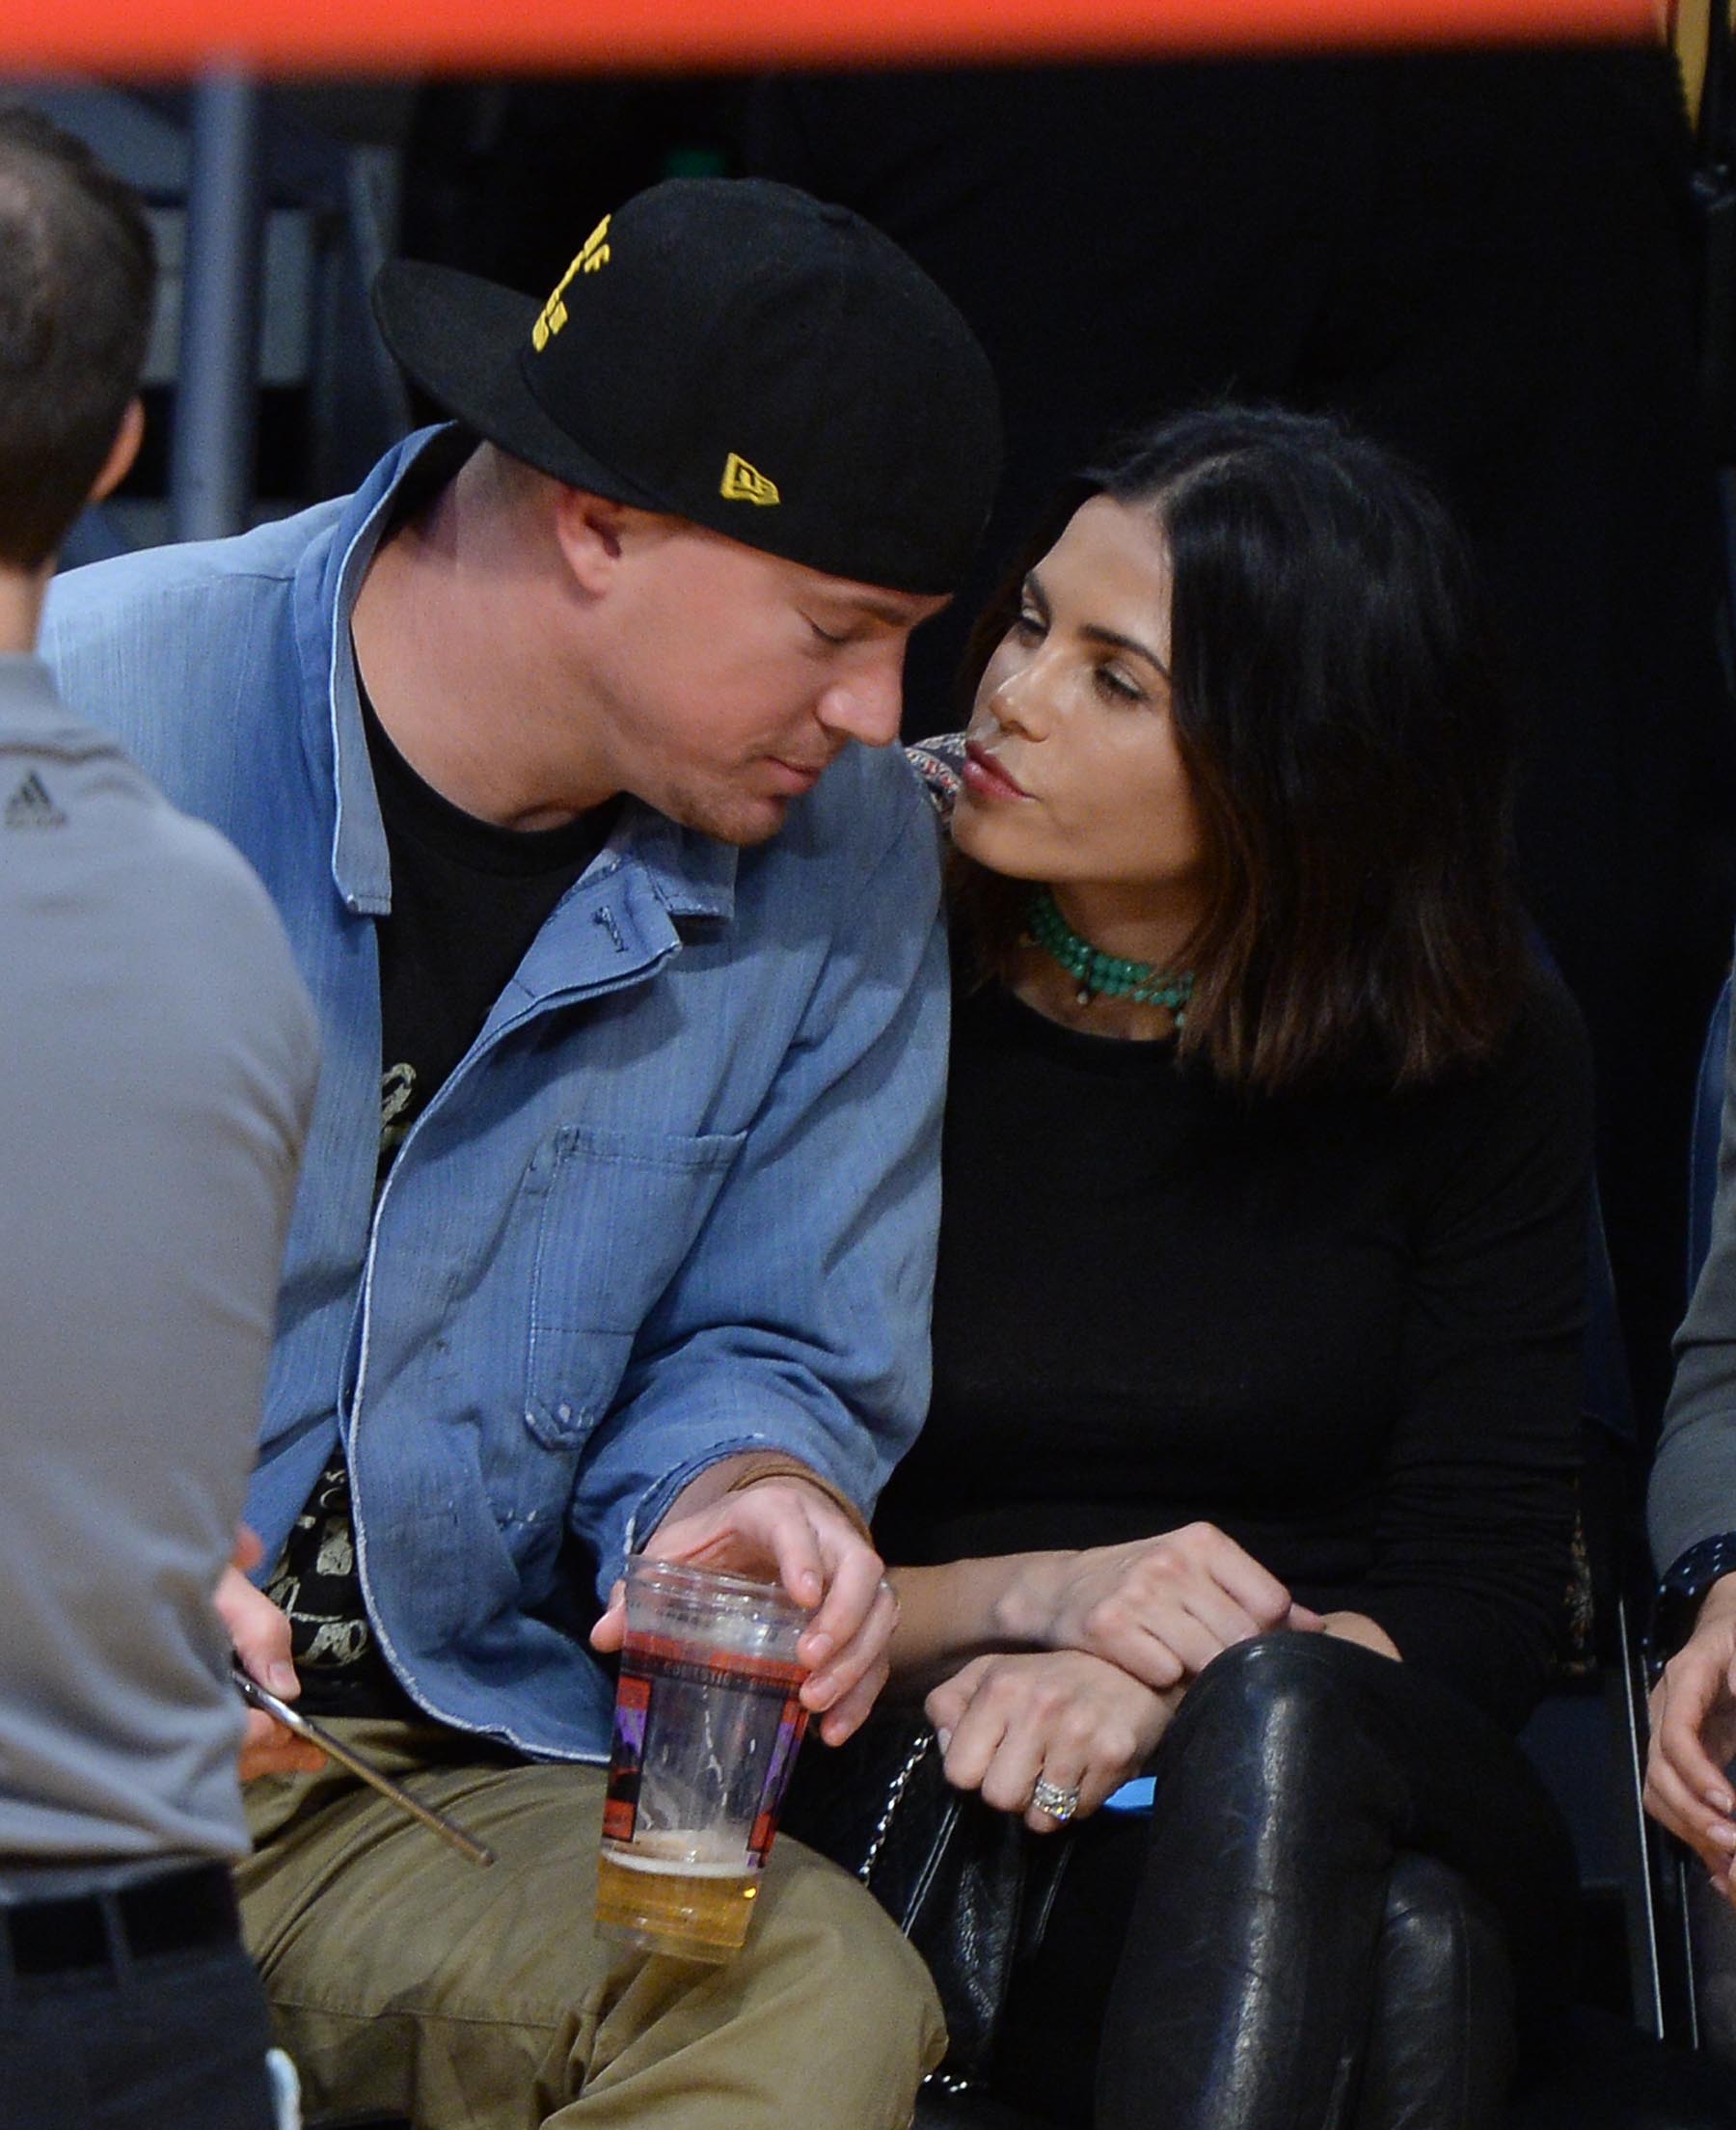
[[402, 1978]]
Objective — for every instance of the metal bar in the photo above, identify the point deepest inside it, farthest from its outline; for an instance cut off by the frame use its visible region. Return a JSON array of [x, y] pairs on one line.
[[216, 398], [1647, 1951], [376, 1778]]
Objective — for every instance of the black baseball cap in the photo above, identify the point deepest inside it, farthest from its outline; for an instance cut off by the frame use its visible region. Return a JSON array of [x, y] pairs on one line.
[[739, 354]]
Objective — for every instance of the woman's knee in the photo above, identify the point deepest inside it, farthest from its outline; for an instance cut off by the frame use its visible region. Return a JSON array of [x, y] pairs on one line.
[[1286, 1713], [1290, 1678]]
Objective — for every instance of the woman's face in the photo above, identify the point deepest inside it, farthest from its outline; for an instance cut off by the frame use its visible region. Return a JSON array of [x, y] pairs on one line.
[[1072, 773]]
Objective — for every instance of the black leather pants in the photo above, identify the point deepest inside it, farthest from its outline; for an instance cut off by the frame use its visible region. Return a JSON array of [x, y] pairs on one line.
[[1349, 1882], [1441, 2043], [1298, 1773]]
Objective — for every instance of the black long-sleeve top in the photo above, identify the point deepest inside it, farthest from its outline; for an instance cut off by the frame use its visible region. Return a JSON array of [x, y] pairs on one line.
[[1345, 1328]]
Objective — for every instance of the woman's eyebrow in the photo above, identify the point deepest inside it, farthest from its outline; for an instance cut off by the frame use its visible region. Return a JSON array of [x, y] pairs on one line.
[[1113, 640]]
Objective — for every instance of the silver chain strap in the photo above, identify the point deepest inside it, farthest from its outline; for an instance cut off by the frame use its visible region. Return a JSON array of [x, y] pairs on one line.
[[947, 2082], [901, 1782]]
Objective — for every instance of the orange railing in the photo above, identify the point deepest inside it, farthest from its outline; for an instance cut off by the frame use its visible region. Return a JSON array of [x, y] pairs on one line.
[[121, 36]]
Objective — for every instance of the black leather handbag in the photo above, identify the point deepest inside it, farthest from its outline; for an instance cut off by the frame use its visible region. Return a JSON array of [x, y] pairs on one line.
[[967, 1885]]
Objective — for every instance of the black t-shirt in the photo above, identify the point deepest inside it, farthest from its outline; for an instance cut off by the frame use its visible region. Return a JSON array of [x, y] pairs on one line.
[[1346, 1328], [468, 898]]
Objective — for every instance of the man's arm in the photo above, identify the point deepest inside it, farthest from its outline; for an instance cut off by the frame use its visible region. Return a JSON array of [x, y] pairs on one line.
[[797, 1324], [758, 1516]]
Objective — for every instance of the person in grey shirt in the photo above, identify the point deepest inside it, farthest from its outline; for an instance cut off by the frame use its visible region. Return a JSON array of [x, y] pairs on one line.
[[157, 1061]]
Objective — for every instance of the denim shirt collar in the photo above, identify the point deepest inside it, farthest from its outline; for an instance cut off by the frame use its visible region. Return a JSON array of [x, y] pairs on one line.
[[690, 874]]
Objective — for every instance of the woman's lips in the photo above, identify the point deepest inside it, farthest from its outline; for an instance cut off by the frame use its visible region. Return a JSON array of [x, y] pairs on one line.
[[984, 778]]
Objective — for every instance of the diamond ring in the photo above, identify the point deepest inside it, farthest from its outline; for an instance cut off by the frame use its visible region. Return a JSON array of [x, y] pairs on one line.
[[1050, 1798]]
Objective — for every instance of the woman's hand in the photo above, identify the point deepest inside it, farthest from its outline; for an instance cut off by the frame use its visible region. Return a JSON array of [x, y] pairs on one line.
[[1158, 1608], [1079, 1722]]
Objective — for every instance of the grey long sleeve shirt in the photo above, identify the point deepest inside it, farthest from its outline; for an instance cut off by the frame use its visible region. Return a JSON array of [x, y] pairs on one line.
[[157, 1058]]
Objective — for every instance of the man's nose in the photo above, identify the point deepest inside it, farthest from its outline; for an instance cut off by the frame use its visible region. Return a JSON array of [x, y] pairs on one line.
[[868, 704]]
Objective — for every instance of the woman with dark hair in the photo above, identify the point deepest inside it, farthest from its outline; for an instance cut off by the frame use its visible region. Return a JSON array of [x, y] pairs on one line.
[[1256, 1336]]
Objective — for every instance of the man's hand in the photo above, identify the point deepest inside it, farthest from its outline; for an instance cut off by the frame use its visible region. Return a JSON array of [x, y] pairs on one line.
[[1694, 1738], [260, 1633], [1079, 1722], [784, 1530], [1159, 1608]]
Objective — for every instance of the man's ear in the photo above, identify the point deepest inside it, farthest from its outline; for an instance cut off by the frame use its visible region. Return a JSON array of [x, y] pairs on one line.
[[590, 530], [122, 452]]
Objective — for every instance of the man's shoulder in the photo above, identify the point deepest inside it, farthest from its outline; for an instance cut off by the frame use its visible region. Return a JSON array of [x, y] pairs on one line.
[[868, 807], [106, 601], [857, 858], [186, 654]]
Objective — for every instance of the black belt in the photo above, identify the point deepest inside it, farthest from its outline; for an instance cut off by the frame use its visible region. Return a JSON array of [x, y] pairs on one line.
[[171, 1913]]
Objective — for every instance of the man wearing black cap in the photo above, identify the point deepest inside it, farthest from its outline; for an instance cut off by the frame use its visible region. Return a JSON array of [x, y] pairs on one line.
[[617, 1213]]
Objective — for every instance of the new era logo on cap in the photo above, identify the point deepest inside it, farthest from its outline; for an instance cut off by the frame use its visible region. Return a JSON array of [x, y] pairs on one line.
[[745, 483]]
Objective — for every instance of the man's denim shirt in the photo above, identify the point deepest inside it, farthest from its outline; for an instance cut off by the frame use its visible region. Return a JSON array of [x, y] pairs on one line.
[[678, 1200]]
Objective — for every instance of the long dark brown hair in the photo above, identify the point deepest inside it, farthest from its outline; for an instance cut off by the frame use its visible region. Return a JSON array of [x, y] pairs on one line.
[[1349, 747]]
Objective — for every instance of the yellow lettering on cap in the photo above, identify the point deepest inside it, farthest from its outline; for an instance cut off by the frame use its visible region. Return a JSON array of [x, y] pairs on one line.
[[745, 483], [553, 314]]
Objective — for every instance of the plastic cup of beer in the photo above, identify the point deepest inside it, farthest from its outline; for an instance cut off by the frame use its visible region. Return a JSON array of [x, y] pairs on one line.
[[707, 1723]]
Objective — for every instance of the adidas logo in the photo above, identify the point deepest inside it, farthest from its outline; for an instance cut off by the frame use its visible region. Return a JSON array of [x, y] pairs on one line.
[[31, 808]]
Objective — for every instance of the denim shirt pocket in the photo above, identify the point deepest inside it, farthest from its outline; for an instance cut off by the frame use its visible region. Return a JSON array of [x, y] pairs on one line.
[[620, 1212]]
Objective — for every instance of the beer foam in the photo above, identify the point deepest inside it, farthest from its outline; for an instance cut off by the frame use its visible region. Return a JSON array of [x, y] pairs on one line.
[[705, 1867]]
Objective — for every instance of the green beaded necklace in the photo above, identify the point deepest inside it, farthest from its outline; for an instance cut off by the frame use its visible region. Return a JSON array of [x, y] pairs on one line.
[[1106, 975]]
